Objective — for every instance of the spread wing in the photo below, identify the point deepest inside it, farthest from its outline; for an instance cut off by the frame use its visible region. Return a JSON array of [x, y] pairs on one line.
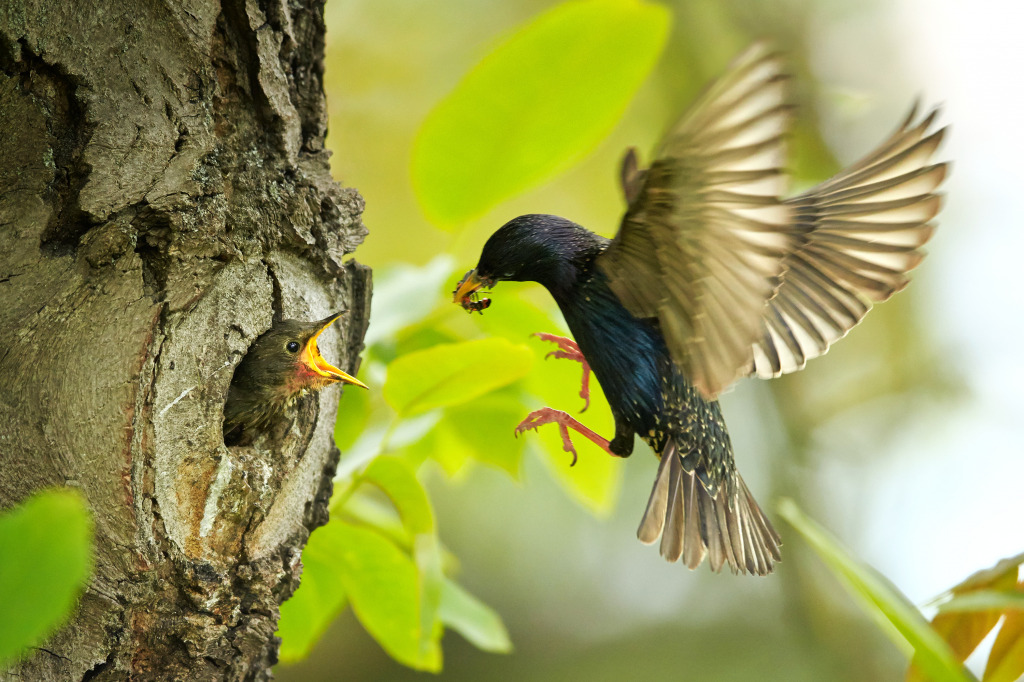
[[863, 230], [702, 245]]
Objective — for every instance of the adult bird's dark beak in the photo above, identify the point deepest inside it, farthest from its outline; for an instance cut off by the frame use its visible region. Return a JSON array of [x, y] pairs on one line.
[[469, 285], [311, 356]]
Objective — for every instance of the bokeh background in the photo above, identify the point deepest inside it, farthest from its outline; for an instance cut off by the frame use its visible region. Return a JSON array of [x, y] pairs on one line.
[[906, 440]]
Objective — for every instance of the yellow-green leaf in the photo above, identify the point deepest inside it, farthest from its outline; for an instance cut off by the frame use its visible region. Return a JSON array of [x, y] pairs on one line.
[[594, 481], [1002, 575], [383, 585], [596, 478], [365, 509], [443, 445], [319, 598], [45, 563], [453, 374], [1006, 662], [427, 554], [404, 294], [516, 318], [399, 483], [976, 607], [882, 600], [484, 428], [985, 600], [353, 417], [473, 619], [535, 104]]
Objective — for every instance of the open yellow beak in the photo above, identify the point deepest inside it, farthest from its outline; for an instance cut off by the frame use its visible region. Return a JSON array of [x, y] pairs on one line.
[[317, 362], [469, 284]]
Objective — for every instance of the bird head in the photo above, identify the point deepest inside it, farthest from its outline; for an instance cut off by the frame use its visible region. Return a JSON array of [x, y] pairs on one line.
[[531, 248], [285, 360]]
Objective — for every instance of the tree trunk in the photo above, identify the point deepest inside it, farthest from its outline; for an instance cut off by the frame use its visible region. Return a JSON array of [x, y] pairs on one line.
[[165, 195]]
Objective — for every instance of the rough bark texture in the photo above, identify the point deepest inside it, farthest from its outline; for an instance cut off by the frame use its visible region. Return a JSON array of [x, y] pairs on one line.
[[164, 196]]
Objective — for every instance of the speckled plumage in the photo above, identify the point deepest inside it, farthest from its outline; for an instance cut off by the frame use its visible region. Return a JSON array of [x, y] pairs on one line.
[[646, 391], [648, 394]]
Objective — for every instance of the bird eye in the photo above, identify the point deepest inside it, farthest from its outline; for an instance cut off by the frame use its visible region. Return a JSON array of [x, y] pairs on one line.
[[293, 346]]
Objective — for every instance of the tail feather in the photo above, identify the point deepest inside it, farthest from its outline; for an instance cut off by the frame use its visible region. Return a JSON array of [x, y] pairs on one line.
[[727, 527], [675, 516], [657, 505], [729, 544], [712, 533], [764, 527], [756, 557], [694, 544]]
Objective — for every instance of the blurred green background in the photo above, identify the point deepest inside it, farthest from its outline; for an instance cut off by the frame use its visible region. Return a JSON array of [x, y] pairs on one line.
[[905, 440]]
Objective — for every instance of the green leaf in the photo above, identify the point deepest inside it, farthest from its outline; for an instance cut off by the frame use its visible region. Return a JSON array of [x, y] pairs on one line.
[[473, 619], [1006, 661], [1003, 574], [427, 554], [452, 374], [45, 563], [882, 600], [348, 563], [353, 417], [383, 586], [596, 479], [959, 622], [399, 483], [424, 335], [319, 598], [535, 104], [517, 318], [443, 445], [481, 430], [403, 295], [485, 429], [375, 512], [984, 600]]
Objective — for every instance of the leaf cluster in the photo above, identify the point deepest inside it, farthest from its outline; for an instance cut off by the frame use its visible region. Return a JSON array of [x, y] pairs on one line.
[[45, 563]]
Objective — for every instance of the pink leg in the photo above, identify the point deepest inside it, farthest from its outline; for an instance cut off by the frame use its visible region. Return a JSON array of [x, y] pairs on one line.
[[568, 350], [547, 415]]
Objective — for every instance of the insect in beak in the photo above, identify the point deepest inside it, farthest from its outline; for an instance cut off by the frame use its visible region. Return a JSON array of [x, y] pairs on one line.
[[467, 293]]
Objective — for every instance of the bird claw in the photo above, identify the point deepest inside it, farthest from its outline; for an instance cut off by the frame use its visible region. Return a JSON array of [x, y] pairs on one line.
[[547, 415], [568, 350], [566, 345]]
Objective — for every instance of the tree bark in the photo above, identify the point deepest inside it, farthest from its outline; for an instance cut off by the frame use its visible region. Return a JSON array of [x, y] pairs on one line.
[[164, 196]]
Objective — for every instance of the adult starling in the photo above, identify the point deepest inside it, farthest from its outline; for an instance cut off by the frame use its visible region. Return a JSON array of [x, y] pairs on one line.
[[281, 364], [712, 277]]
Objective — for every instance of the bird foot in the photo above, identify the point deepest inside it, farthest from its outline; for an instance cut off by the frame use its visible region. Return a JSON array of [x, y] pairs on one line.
[[547, 415], [568, 350]]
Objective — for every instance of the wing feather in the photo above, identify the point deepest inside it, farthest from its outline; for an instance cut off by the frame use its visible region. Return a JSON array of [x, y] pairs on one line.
[[741, 281], [702, 244], [865, 229]]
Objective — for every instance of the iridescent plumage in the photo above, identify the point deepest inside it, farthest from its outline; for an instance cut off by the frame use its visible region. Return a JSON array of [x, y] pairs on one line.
[[714, 276]]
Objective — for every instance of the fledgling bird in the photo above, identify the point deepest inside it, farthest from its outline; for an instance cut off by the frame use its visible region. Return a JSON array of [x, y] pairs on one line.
[[712, 276], [283, 363]]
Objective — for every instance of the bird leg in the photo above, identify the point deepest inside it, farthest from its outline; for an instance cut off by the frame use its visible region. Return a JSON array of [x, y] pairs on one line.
[[568, 350], [547, 415]]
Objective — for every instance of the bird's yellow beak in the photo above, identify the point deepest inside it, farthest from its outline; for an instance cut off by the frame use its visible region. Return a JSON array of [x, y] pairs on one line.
[[469, 285], [317, 362]]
